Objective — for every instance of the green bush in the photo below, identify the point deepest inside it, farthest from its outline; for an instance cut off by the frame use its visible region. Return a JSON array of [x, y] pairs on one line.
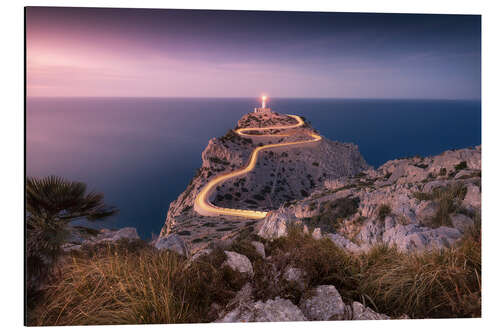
[[52, 203]]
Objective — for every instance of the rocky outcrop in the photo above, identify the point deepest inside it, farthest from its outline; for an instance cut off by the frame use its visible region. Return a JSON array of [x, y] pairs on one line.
[[396, 204], [281, 175], [416, 238], [111, 236], [173, 243], [238, 262], [85, 236], [276, 224]]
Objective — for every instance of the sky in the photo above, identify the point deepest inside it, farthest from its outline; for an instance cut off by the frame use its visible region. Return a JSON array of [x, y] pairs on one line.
[[110, 52]]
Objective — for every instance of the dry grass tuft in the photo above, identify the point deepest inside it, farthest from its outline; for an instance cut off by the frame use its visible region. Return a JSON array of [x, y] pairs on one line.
[[132, 283]]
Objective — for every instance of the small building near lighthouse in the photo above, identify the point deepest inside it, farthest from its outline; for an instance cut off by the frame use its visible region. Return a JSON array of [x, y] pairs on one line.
[[264, 107]]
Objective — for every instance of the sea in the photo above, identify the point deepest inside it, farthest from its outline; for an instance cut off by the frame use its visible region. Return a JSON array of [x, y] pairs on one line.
[[141, 153]]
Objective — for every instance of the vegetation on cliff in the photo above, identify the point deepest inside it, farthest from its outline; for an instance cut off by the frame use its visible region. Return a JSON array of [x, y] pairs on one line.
[[130, 282]]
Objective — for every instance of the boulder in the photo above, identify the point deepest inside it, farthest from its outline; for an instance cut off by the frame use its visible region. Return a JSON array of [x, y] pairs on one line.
[[461, 222], [275, 225], [343, 243], [173, 242], [396, 174], [358, 311], [200, 254], [274, 310], [426, 210], [472, 199], [324, 304], [316, 234], [238, 262], [259, 247]]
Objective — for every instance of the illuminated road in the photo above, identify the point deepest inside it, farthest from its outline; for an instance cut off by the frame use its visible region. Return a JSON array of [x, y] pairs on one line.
[[202, 204]]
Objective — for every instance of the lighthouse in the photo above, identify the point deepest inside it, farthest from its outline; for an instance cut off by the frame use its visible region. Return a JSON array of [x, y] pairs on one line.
[[264, 107]]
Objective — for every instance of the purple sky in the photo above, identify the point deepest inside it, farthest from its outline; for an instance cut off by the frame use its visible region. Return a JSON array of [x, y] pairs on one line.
[[181, 53]]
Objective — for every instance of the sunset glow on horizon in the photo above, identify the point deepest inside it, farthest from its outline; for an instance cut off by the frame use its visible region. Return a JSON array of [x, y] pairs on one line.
[[110, 52]]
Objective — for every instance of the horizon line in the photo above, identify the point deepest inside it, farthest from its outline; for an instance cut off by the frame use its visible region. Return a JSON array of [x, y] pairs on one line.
[[271, 97]]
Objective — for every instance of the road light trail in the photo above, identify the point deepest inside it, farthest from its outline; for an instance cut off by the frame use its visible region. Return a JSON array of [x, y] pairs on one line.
[[202, 204]]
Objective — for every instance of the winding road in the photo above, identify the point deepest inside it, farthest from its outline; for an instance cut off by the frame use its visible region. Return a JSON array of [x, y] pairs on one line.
[[202, 204]]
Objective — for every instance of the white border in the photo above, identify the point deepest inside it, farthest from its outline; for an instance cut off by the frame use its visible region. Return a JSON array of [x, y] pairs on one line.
[[12, 148]]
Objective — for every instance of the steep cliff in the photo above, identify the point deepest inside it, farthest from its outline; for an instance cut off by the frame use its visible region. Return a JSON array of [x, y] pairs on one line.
[[281, 175]]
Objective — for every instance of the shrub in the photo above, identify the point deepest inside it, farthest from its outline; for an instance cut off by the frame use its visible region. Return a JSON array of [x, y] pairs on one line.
[[460, 166], [383, 211], [332, 212], [52, 203], [448, 199]]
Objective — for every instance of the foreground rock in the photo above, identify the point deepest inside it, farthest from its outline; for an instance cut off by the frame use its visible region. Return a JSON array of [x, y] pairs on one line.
[[324, 304], [173, 243], [358, 311], [238, 262], [85, 236], [274, 310]]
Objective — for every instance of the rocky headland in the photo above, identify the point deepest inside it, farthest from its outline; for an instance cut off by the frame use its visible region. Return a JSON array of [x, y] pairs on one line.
[[340, 237], [328, 189]]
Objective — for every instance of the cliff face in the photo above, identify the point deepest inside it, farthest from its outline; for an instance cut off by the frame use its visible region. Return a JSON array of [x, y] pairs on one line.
[[280, 176]]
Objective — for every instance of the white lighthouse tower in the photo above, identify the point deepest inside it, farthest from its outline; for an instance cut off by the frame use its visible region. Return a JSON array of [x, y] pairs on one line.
[[264, 107]]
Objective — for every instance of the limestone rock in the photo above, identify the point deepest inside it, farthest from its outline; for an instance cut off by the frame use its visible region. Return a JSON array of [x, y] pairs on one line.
[[238, 262], [358, 311], [114, 235], [259, 247], [275, 225], [173, 243], [344, 243], [371, 232], [426, 210], [316, 234], [473, 197], [325, 304], [461, 222], [274, 310], [417, 238]]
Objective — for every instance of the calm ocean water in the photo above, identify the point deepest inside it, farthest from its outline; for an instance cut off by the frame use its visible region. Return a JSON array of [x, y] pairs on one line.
[[142, 152]]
